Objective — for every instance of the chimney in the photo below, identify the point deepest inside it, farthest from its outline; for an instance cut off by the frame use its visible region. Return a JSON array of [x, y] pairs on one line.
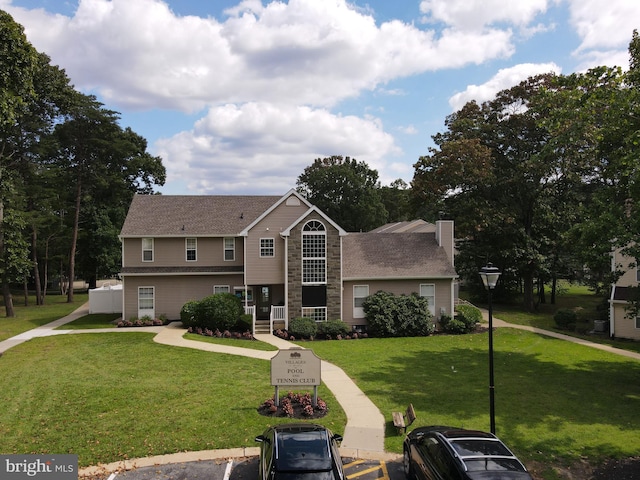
[[444, 237]]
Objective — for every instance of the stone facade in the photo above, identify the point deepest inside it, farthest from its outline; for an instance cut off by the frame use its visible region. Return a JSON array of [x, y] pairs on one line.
[[334, 269]]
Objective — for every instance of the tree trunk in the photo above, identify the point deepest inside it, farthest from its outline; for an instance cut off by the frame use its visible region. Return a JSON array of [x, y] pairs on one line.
[[528, 301], [74, 241], [25, 292], [6, 291], [36, 270], [554, 285]]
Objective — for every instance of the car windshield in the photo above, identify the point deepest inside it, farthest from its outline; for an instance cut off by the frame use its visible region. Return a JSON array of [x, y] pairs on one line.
[[322, 475], [302, 451]]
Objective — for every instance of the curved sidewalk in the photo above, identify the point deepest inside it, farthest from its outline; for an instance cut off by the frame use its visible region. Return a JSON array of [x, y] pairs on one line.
[[560, 336], [365, 424]]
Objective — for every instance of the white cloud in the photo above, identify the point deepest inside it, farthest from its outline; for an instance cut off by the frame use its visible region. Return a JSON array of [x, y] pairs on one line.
[[605, 31], [477, 14], [505, 78], [266, 144], [300, 52]]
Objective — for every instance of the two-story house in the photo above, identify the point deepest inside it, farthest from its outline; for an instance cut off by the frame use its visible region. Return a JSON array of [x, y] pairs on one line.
[[621, 324], [283, 256]]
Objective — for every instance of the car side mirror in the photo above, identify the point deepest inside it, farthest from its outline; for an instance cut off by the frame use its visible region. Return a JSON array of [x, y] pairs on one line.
[[262, 438], [337, 438]]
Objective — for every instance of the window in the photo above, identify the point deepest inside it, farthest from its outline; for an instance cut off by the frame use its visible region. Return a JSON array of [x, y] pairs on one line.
[[314, 253], [221, 289], [637, 271], [267, 247], [317, 314], [192, 249], [229, 248], [360, 292], [637, 322], [147, 249], [145, 298], [428, 290]]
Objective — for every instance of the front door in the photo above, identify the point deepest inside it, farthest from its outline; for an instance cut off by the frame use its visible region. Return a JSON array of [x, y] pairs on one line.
[[263, 303]]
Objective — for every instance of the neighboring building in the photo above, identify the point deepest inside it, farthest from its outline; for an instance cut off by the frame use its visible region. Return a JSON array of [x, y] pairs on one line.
[[621, 325], [281, 255]]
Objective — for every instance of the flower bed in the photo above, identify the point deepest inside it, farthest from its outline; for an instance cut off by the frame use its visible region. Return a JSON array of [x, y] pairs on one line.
[[294, 405]]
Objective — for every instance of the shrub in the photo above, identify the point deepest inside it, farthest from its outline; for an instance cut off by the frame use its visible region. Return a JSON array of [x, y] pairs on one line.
[[565, 319], [245, 322], [188, 313], [465, 320], [302, 327], [332, 328], [397, 316], [220, 311]]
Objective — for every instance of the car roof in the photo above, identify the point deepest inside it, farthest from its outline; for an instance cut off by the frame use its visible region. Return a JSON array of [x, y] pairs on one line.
[[474, 448], [302, 447]]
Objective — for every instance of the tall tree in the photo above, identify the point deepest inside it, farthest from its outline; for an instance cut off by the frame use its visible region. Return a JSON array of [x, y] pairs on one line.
[[18, 63], [492, 173], [346, 190], [97, 158]]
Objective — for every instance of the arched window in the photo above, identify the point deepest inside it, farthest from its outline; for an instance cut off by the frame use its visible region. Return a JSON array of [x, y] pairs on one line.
[[314, 253]]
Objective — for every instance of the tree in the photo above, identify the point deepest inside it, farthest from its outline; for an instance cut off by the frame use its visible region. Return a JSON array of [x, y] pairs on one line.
[[104, 164], [346, 190], [18, 62], [396, 199], [493, 174]]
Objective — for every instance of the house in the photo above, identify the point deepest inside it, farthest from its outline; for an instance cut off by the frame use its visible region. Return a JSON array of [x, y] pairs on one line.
[[621, 324], [281, 255]]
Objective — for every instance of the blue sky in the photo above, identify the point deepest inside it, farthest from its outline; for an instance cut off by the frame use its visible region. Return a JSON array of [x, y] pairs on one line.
[[238, 97]]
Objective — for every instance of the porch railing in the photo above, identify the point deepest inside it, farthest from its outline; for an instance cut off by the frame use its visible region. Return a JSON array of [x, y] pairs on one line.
[[279, 312], [251, 310]]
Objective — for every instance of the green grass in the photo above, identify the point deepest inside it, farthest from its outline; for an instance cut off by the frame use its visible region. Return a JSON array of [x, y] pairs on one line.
[[555, 400], [113, 396], [232, 342], [33, 316], [109, 397]]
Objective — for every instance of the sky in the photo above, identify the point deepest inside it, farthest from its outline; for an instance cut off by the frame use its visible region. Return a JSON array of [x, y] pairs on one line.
[[238, 97]]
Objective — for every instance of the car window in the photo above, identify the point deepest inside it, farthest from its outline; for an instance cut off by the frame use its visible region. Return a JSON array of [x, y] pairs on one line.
[[303, 451], [473, 447], [494, 464]]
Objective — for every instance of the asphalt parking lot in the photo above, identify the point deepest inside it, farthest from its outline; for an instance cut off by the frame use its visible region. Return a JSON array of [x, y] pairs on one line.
[[247, 469]]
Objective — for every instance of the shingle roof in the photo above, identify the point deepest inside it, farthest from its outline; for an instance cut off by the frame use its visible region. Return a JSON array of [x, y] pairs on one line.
[[180, 215], [394, 255], [414, 226]]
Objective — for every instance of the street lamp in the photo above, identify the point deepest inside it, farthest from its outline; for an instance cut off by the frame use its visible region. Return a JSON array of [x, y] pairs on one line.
[[490, 276]]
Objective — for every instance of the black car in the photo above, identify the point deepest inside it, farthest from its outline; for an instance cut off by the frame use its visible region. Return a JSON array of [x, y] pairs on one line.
[[451, 453], [299, 451]]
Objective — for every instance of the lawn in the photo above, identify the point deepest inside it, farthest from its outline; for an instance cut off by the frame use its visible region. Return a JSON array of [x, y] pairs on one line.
[[556, 402], [32, 316], [113, 396]]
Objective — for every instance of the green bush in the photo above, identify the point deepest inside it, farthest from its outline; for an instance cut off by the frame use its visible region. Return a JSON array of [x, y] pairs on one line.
[[333, 328], [219, 311], [244, 323], [565, 319], [188, 313], [465, 320], [389, 315], [302, 327]]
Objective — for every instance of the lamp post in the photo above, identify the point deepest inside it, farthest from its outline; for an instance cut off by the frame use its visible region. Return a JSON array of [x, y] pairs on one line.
[[490, 276]]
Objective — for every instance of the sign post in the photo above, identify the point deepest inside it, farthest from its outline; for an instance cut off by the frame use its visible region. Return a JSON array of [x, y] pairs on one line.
[[295, 368]]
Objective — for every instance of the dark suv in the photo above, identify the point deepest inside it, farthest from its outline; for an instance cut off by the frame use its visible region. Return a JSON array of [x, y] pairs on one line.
[[299, 451], [450, 453]]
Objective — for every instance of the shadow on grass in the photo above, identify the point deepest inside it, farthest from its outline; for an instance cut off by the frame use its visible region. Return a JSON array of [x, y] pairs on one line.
[[552, 398]]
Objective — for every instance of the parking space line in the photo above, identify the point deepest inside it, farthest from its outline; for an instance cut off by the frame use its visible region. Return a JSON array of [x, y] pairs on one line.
[[382, 466], [385, 472], [353, 464], [227, 472]]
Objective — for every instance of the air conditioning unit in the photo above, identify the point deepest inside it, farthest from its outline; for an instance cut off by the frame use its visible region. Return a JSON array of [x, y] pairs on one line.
[[599, 326]]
